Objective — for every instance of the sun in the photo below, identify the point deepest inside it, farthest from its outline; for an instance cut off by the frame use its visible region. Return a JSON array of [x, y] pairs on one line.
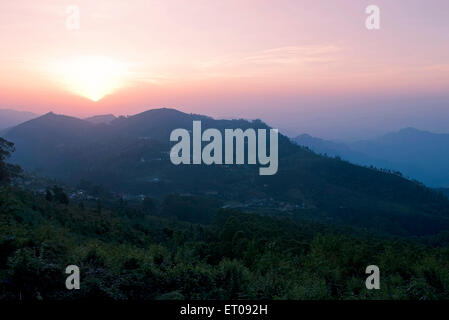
[[92, 77]]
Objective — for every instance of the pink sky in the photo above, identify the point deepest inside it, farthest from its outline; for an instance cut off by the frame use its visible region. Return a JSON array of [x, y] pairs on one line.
[[291, 63]]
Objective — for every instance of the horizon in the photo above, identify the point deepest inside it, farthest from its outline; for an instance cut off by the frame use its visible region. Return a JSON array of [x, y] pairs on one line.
[[301, 67], [224, 118]]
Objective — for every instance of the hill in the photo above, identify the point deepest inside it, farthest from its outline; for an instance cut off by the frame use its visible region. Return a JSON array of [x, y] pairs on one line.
[[186, 247], [337, 149], [130, 155], [421, 155], [444, 191], [104, 118], [10, 118], [135, 252]]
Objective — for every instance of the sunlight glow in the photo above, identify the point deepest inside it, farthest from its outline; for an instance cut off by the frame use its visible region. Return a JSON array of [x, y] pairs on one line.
[[92, 77]]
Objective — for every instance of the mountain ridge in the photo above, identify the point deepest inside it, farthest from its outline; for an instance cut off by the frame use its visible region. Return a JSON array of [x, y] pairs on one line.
[[131, 155], [421, 155], [102, 118], [10, 118]]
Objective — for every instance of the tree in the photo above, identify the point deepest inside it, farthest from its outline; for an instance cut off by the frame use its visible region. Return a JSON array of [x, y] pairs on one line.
[[59, 195], [150, 205], [7, 171], [48, 195]]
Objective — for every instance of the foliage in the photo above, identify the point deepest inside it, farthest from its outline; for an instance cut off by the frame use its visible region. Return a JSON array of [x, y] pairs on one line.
[[7, 171], [126, 253], [185, 247]]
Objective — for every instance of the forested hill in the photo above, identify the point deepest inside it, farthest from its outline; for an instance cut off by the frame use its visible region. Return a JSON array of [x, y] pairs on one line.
[[185, 247], [130, 155]]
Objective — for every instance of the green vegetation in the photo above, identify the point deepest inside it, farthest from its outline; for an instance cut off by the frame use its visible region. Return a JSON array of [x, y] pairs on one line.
[[7, 171], [130, 156], [139, 253], [172, 246]]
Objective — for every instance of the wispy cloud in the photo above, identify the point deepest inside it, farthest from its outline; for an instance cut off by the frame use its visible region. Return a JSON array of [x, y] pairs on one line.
[[270, 60], [294, 55]]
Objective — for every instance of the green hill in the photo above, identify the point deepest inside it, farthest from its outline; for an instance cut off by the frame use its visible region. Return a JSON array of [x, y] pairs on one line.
[[130, 155], [185, 247]]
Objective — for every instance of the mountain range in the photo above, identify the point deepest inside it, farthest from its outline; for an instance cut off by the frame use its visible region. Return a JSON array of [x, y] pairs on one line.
[[131, 155], [10, 118], [104, 118], [417, 154]]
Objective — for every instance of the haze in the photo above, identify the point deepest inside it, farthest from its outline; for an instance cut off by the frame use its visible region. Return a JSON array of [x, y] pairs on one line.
[[301, 66]]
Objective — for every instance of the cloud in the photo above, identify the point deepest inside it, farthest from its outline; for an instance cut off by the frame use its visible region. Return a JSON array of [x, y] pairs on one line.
[[272, 60], [250, 64], [437, 67], [294, 55]]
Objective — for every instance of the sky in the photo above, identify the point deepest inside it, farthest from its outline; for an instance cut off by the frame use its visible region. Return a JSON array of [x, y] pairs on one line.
[[301, 66]]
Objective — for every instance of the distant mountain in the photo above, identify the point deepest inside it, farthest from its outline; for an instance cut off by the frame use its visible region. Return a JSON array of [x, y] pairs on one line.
[[131, 155], [104, 118], [127, 154], [335, 149], [444, 191], [10, 118], [421, 155]]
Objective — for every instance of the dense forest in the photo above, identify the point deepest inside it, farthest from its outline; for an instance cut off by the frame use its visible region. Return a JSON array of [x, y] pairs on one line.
[[189, 247], [129, 156]]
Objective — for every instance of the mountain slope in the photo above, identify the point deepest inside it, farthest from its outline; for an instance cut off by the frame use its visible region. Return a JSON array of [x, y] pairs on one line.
[[104, 118], [46, 142], [10, 118], [338, 149], [418, 154], [131, 155], [421, 155]]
